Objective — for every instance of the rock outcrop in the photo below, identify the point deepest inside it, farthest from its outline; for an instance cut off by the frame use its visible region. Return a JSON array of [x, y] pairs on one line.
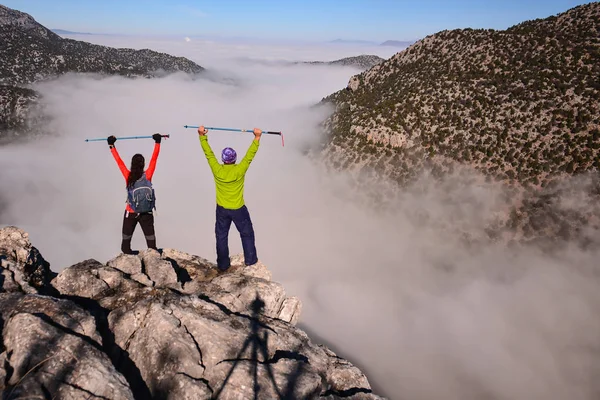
[[15, 105], [163, 325], [23, 267]]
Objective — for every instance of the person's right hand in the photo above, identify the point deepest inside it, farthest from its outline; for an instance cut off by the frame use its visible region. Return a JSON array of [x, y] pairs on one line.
[[257, 133], [111, 140], [202, 131]]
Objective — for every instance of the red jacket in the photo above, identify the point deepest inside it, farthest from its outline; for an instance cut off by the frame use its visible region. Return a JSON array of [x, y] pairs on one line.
[[126, 172]]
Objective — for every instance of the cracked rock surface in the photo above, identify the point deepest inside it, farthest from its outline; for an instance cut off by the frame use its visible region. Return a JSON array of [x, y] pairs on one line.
[[51, 346], [159, 325]]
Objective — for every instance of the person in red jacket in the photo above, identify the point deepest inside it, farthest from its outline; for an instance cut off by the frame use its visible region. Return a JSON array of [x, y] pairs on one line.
[[133, 178]]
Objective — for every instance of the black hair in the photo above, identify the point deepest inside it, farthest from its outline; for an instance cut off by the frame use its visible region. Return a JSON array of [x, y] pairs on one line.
[[137, 169]]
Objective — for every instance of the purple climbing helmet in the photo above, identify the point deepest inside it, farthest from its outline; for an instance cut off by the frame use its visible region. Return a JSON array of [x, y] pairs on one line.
[[229, 156]]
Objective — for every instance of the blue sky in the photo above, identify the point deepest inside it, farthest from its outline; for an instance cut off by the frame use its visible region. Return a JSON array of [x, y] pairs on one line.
[[375, 20]]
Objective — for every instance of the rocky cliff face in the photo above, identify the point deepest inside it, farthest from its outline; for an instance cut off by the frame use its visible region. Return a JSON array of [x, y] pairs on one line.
[[158, 325], [30, 52], [15, 102]]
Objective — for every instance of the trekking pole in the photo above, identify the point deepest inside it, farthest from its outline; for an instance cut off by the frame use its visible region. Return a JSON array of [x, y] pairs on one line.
[[126, 138], [236, 130]]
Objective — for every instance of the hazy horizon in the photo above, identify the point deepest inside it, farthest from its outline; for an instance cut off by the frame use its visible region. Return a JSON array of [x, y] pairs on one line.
[[312, 20], [224, 38], [208, 52]]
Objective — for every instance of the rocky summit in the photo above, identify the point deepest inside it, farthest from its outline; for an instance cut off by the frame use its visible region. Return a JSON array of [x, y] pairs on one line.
[[30, 52], [158, 325]]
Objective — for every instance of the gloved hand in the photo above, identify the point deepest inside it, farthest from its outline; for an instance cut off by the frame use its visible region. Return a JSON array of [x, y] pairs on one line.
[[111, 140], [157, 138]]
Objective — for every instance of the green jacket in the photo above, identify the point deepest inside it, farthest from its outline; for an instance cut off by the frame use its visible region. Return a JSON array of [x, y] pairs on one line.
[[229, 178]]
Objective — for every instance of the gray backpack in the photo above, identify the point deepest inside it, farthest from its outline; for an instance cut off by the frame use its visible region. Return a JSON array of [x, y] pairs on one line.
[[141, 196]]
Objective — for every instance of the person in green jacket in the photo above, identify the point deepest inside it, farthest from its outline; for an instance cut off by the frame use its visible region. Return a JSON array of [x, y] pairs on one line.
[[229, 181]]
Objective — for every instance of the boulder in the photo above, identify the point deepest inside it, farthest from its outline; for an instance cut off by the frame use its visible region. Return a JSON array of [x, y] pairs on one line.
[[127, 263], [159, 270], [22, 266], [290, 310], [190, 268]]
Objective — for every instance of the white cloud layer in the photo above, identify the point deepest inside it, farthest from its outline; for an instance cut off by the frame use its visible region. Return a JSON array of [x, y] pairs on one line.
[[424, 316], [214, 51]]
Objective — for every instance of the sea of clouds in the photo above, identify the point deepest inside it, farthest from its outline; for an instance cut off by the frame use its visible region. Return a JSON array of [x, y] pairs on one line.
[[425, 316]]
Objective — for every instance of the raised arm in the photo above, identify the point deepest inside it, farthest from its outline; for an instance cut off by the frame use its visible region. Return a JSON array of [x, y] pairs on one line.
[[245, 163], [152, 166], [111, 143], [210, 156]]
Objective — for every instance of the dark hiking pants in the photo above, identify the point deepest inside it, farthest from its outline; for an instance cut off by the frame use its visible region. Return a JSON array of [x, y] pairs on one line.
[[130, 221], [241, 219]]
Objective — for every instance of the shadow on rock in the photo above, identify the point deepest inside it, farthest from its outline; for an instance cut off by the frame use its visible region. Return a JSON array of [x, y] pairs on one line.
[[257, 344], [118, 356]]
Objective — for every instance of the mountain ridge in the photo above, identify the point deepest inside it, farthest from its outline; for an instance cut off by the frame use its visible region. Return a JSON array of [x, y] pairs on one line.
[[66, 32], [453, 91], [362, 62], [520, 107], [33, 53]]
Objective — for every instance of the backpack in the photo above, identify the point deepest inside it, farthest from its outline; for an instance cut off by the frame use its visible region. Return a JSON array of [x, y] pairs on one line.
[[141, 196]]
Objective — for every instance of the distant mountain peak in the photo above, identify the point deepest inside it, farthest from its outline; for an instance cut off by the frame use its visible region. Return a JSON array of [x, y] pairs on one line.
[[362, 62], [65, 32]]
